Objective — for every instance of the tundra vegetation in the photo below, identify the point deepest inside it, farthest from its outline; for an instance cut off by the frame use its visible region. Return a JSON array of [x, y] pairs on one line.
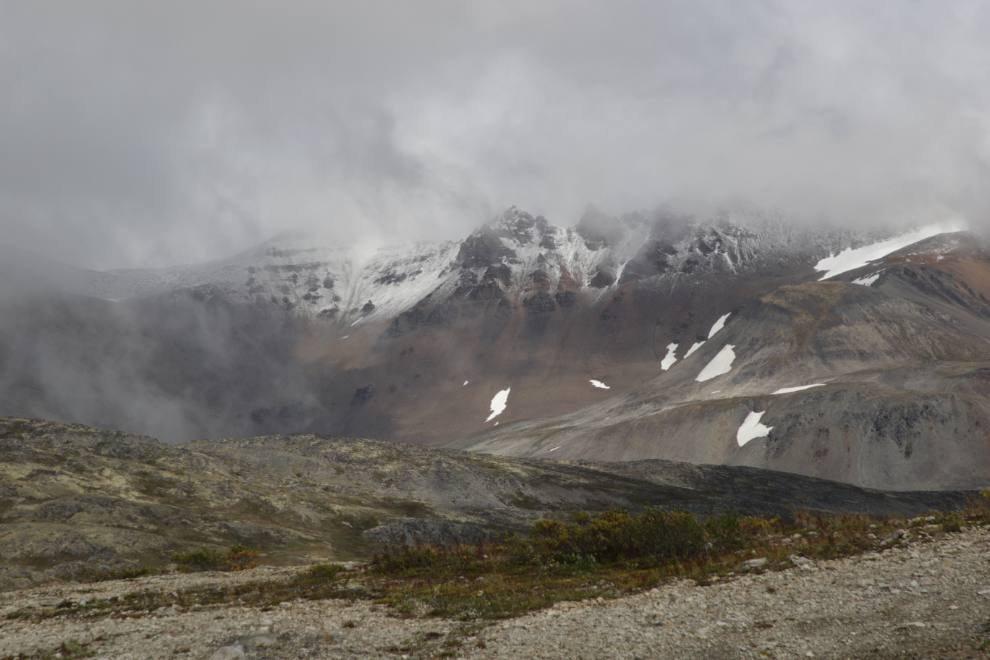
[[607, 555]]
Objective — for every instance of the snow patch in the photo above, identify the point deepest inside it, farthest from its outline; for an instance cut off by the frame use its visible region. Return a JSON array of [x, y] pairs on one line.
[[557, 447], [465, 383], [669, 360], [719, 324], [853, 258], [498, 404], [694, 348], [868, 280], [788, 390], [751, 428], [720, 364], [600, 384]]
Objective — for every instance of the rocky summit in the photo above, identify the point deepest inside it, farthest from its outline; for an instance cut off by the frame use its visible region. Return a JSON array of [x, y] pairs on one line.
[[739, 337]]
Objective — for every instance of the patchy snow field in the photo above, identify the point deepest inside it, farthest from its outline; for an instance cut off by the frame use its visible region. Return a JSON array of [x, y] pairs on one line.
[[853, 258], [720, 364], [696, 346], [669, 359], [498, 404], [719, 324], [751, 428], [788, 390], [600, 384], [868, 280]]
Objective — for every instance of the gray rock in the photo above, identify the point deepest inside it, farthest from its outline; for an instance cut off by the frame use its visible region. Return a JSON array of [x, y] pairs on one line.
[[229, 653]]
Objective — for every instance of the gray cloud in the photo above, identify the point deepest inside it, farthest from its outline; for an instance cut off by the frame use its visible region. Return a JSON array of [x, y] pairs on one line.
[[154, 133]]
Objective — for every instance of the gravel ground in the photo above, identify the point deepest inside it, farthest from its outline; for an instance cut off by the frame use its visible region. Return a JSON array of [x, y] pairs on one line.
[[919, 600]]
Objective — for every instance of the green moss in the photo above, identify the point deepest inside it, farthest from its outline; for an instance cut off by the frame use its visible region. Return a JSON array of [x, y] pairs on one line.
[[346, 535]]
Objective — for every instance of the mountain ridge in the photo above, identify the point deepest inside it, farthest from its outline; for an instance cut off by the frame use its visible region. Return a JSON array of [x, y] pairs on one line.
[[631, 337]]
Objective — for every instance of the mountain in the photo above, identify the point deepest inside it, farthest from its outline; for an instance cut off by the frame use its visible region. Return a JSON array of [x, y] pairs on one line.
[[529, 339], [875, 377]]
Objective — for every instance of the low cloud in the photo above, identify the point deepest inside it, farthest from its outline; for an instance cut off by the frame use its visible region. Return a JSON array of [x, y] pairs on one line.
[[147, 134]]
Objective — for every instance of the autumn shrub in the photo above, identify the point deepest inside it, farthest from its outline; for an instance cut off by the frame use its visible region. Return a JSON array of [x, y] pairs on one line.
[[411, 557], [238, 558], [667, 535], [724, 532], [326, 572], [657, 536]]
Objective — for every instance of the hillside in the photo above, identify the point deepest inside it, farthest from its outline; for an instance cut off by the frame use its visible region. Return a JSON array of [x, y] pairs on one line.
[[76, 502], [877, 378]]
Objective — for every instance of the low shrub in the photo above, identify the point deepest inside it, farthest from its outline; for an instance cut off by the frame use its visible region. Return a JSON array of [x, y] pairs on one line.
[[657, 537], [131, 573], [238, 558], [326, 572]]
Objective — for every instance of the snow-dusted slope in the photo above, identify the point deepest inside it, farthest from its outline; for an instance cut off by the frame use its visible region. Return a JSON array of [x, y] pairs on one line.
[[528, 260], [290, 273]]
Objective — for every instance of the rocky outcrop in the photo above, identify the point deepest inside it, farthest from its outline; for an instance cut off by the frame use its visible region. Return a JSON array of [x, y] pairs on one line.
[[482, 249]]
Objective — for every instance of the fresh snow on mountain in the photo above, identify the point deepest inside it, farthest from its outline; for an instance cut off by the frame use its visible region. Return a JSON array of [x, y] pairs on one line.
[[751, 428], [599, 384], [720, 364], [853, 258], [498, 404], [302, 275], [719, 324], [669, 359], [788, 390]]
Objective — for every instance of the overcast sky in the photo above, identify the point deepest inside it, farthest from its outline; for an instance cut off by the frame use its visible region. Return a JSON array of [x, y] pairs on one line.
[[152, 133]]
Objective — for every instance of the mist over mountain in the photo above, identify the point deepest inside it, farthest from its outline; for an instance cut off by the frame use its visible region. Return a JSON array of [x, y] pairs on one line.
[[233, 220], [739, 338], [137, 136]]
